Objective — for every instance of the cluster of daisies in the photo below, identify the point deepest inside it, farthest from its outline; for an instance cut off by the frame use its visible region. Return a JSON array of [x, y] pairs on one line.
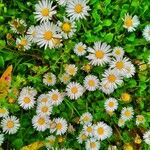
[[50, 33], [93, 134]]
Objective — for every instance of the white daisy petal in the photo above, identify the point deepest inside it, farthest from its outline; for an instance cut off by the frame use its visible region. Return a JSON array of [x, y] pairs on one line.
[[77, 9], [74, 90], [146, 33], [99, 54], [44, 10], [10, 124], [130, 23]]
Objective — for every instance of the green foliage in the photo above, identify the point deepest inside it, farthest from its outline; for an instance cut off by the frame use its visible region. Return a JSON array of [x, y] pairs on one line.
[[103, 24]]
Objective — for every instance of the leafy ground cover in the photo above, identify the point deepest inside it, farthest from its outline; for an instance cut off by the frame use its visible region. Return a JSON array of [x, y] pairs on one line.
[[74, 74]]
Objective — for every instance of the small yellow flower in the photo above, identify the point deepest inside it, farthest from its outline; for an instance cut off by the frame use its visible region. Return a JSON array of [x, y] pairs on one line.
[[61, 139], [125, 97], [87, 68], [128, 147], [143, 67], [137, 139]]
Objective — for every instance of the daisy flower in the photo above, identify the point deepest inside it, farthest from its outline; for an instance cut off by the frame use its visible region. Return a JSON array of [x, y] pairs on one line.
[[86, 118], [71, 69], [74, 90], [10, 124], [18, 25], [106, 88], [92, 144], [111, 79], [49, 79], [40, 122], [3, 112], [62, 2], [55, 97], [91, 82], [23, 43], [125, 97], [1, 139], [47, 35], [140, 119], [118, 52], [61, 126], [44, 10], [127, 113], [67, 28], [119, 65], [30, 90], [130, 70], [102, 131], [82, 137], [43, 98], [77, 9], [146, 33], [88, 129], [65, 78], [146, 137], [121, 122], [111, 104], [26, 101], [80, 49], [32, 33], [99, 54], [130, 23], [44, 109], [50, 141]]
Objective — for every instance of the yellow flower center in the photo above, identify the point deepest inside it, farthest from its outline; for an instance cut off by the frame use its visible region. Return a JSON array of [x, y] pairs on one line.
[[66, 78], [118, 52], [44, 109], [80, 49], [78, 8], [83, 136], [91, 83], [128, 22], [89, 129], [48, 35], [74, 90], [23, 42], [41, 121], [99, 54], [92, 144], [49, 79], [27, 100], [127, 113], [44, 100], [10, 124], [100, 131], [86, 119], [128, 147], [112, 78], [71, 71], [45, 12], [59, 126], [2, 110], [140, 118], [125, 97], [33, 33], [66, 27], [55, 97], [119, 65], [111, 104]]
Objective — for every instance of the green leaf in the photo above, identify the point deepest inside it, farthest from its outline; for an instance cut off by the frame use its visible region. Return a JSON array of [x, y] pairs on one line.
[[107, 22], [18, 143], [1, 62], [108, 37]]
